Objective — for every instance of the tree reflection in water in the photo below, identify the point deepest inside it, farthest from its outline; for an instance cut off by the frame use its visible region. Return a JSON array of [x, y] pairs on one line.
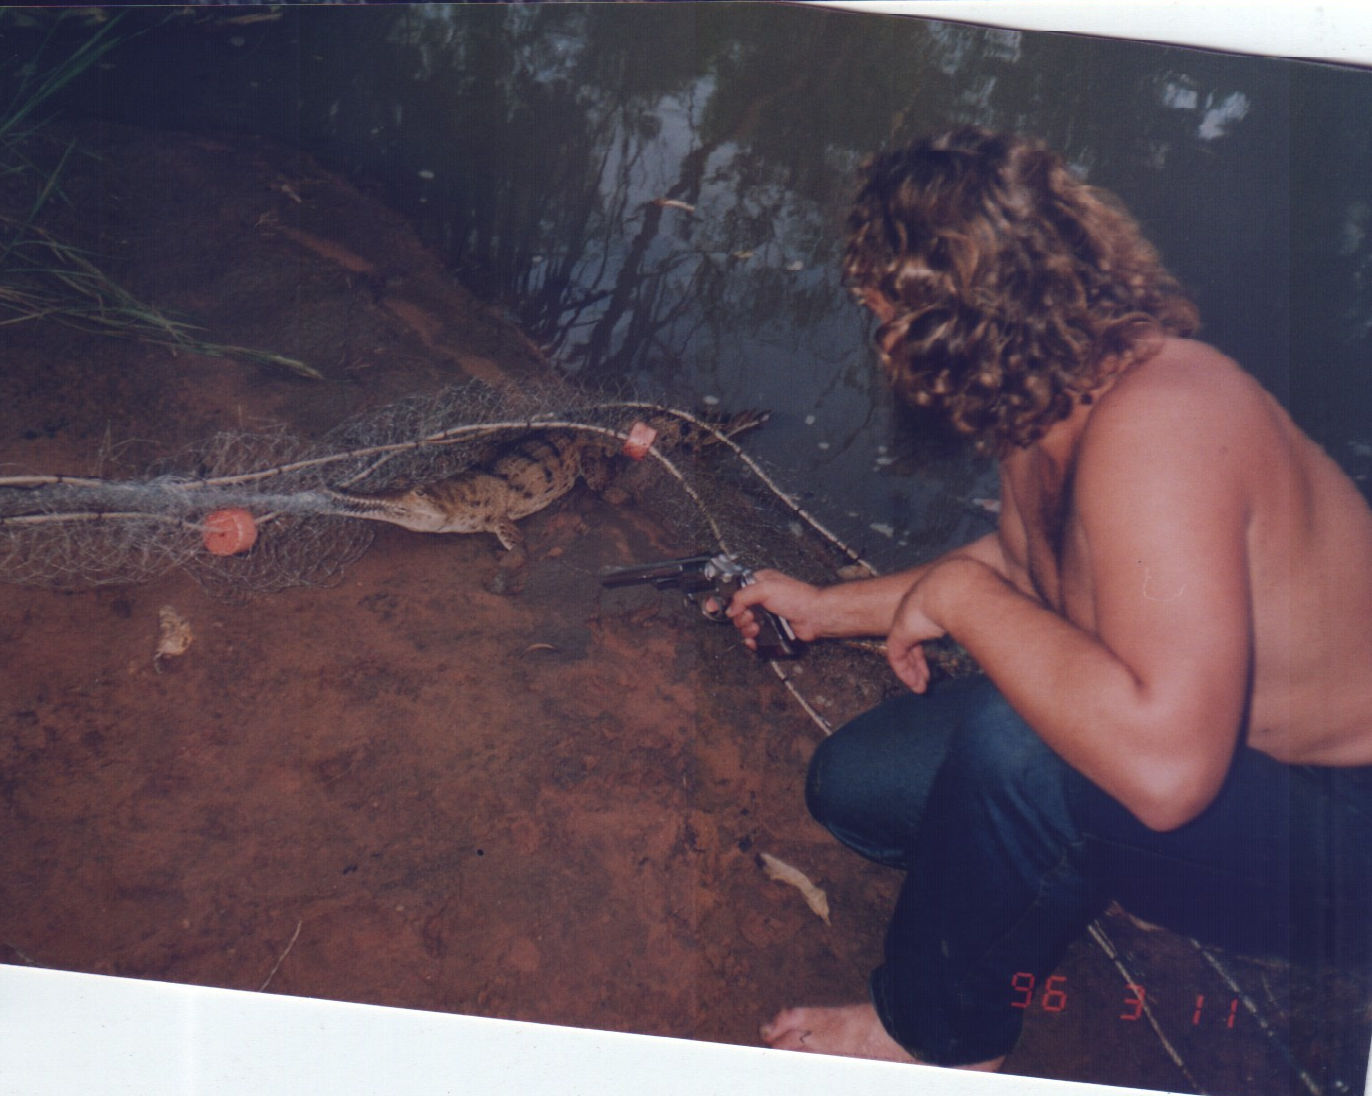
[[657, 193]]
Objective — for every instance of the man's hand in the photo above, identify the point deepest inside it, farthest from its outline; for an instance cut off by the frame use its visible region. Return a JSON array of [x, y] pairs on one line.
[[862, 607], [920, 616], [910, 628], [795, 601]]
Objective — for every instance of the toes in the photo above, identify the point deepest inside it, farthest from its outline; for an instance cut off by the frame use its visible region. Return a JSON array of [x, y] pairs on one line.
[[794, 1039], [786, 1030]]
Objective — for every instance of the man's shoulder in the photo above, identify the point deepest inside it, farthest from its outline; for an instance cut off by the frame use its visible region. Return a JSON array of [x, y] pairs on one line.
[[1189, 414], [1183, 367], [1187, 388]]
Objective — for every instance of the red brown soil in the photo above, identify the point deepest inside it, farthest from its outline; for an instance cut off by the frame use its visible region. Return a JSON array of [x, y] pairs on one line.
[[544, 803]]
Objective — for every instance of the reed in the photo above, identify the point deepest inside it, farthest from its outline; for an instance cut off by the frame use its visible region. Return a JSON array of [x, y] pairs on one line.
[[43, 277]]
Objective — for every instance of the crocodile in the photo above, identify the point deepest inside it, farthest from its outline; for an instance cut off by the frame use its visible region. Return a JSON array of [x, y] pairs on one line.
[[521, 478]]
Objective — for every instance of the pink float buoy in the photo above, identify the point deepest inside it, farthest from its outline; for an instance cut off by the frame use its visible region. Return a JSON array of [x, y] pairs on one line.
[[229, 532], [640, 440]]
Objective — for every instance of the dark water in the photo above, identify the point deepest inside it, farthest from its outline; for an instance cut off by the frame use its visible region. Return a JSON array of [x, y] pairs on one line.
[[528, 143]]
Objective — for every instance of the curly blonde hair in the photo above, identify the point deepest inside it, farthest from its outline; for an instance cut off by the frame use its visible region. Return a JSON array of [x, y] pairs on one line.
[[1011, 287]]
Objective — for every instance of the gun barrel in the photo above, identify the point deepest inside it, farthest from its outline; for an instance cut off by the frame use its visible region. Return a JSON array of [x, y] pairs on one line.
[[663, 576], [721, 576]]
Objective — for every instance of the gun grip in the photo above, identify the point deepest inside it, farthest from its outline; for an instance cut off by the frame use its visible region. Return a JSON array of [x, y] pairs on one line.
[[775, 639]]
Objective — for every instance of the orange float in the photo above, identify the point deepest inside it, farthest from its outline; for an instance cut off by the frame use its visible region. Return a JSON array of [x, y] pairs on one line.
[[640, 440], [229, 532]]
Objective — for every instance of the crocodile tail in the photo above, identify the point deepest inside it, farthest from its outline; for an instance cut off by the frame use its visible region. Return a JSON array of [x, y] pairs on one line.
[[344, 504]]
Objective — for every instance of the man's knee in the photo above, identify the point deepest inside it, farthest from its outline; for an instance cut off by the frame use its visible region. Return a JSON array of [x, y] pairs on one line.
[[892, 752], [999, 775], [867, 782], [839, 777]]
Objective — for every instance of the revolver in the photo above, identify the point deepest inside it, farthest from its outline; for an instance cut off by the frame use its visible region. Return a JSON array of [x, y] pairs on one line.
[[707, 579]]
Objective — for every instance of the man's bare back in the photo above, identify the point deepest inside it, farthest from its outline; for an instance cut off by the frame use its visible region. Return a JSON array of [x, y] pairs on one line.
[[1308, 544]]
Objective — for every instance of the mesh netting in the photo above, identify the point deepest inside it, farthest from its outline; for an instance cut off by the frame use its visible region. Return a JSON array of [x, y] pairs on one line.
[[69, 531], [697, 481]]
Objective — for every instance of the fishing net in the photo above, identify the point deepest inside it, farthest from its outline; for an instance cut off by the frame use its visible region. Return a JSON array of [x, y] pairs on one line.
[[74, 531], [697, 481]]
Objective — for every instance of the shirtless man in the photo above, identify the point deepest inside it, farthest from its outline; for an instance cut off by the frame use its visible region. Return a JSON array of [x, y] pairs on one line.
[[1174, 618]]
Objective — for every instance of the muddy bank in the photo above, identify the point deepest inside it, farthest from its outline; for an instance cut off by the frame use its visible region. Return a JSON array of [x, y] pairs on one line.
[[443, 782]]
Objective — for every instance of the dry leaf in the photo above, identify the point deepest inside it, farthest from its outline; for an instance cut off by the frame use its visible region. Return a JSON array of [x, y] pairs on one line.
[[174, 635], [783, 872]]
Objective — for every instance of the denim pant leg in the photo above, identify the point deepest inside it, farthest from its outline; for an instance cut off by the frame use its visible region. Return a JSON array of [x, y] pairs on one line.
[[996, 890], [1279, 864], [1010, 853], [869, 781]]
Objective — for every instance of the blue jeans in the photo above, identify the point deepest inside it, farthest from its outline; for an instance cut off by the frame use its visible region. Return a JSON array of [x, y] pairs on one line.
[[1010, 853]]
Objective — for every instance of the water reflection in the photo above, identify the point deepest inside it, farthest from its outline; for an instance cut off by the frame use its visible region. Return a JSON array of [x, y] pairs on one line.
[[656, 192]]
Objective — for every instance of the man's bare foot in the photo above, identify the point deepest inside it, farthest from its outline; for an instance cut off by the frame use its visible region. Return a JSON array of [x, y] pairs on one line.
[[850, 1030], [853, 1031]]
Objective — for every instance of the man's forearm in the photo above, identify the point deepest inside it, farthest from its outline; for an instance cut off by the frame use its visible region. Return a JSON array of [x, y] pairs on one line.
[[864, 607]]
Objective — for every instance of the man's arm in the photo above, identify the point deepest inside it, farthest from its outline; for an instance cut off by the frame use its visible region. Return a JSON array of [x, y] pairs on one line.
[[862, 607], [1149, 703]]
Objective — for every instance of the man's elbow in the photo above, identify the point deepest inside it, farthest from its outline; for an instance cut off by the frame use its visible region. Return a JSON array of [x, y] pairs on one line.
[[1179, 765], [1174, 800], [1164, 818]]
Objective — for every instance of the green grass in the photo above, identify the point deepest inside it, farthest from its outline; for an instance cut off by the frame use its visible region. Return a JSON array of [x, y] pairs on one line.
[[43, 278]]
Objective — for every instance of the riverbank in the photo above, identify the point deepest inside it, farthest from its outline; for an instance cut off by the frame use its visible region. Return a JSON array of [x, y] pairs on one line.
[[440, 782]]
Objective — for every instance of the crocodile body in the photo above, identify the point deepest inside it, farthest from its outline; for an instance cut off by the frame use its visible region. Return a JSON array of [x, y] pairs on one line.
[[522, 478]]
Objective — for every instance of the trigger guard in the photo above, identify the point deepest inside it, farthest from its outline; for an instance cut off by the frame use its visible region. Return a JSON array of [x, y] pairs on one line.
[[702, 602]]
